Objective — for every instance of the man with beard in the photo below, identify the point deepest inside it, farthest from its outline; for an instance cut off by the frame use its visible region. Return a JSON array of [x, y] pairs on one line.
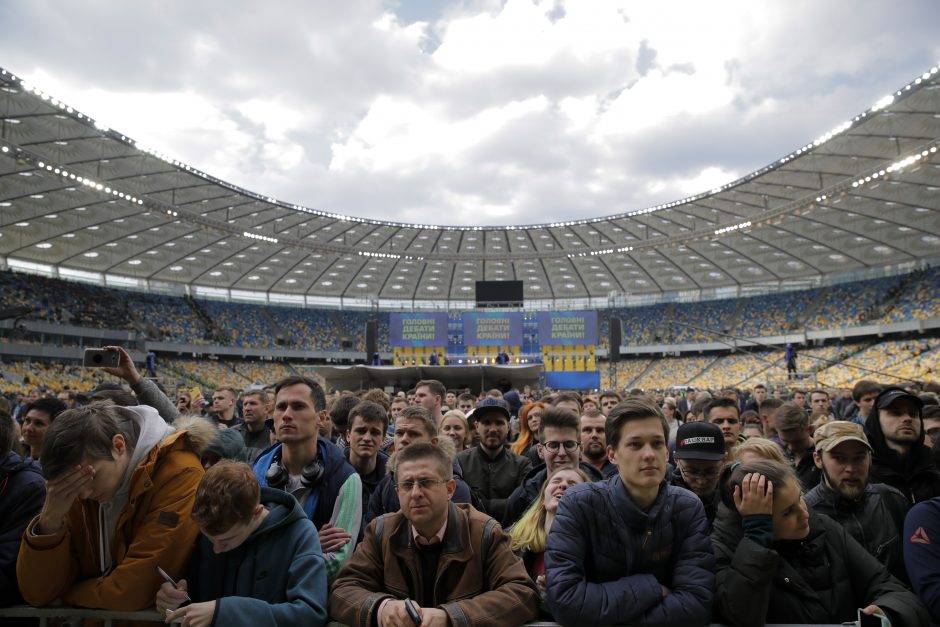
[[895, 430], [594, 441], [492, 470], [871, 513]]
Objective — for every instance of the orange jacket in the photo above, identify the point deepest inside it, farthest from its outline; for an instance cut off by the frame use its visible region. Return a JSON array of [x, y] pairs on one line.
[[154, 529]]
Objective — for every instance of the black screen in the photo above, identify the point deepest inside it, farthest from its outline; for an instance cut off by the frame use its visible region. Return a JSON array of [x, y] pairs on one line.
[[499, 293]]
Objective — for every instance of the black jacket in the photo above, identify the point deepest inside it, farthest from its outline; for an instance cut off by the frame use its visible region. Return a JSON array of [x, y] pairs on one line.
[[526, 493], [823, 579], [710, 504], [22, 493], [493, 480], [875, 520], [915, 474]]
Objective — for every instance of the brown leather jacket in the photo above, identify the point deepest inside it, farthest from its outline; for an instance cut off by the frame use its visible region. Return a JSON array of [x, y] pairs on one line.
[[479, 580]]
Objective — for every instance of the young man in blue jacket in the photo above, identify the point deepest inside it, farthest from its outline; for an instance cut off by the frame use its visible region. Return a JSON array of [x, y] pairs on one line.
[[631, 550], [257, 563]]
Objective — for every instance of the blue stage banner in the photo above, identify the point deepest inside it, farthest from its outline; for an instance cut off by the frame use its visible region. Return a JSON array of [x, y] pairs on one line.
[[568, 328], [492, 329], [590, 380], [418, 329]]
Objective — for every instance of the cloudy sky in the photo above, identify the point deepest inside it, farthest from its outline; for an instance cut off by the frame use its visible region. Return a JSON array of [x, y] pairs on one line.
[[471, 111]]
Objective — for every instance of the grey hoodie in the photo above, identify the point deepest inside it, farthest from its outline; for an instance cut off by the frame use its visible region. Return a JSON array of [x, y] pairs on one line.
[[153, 430]]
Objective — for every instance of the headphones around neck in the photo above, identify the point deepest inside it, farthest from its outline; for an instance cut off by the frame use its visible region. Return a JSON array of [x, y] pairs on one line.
[[310, 477]]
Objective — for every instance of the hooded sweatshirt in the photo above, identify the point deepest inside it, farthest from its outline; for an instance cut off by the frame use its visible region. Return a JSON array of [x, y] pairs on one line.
[[915, 474], [275, 577], [152, 430], [154, 528]]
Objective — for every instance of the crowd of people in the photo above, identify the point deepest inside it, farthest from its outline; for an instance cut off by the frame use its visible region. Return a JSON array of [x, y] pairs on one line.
[[284, 504]]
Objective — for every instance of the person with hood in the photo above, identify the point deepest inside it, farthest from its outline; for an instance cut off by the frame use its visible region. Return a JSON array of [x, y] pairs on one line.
[[22, 492], [558, 447], [120, 486], [895, 430], [777, 561], [257, 563]]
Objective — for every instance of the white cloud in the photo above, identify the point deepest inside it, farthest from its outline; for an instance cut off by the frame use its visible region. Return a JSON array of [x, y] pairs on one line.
[[466, 112]]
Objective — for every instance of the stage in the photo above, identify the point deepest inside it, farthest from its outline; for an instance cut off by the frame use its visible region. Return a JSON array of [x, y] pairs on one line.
[[475, 377]]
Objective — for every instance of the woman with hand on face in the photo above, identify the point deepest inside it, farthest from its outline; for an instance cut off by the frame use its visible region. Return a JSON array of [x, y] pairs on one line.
[[778, 562], [530, 533]]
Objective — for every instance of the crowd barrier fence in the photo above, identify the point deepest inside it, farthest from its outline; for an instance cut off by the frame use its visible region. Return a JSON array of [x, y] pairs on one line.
[[108, 616]]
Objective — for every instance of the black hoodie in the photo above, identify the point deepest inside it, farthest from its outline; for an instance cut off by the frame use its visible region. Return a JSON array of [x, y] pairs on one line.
[[914, 474]]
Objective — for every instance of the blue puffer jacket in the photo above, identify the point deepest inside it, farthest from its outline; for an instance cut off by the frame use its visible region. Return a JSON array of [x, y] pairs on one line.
[[607, 560]]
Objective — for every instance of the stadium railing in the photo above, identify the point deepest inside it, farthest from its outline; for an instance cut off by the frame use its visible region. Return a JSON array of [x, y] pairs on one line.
[[45, 613], [61, 611]]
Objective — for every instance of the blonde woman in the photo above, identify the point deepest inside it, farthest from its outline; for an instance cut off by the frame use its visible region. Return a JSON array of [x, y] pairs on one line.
[[455, 426], [757, 450], [529, 534]]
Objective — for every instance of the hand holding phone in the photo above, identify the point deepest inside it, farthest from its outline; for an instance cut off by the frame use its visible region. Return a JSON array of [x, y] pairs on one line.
[[100, 358]]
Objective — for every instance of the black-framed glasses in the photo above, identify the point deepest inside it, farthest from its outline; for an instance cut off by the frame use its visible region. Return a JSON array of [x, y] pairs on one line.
[[569, 445], [698, 473], [933, 433], [423, 484]]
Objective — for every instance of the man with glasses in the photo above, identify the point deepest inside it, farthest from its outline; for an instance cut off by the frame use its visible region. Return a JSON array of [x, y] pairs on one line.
[[700, 449], [434, 562], [414, 425], [558, 447]]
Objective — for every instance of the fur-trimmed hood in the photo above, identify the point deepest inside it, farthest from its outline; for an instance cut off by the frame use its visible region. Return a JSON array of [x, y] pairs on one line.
[[200, 433]]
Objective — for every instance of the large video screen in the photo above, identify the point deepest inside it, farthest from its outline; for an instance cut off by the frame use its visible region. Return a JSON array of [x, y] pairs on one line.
[[418, 329], [567, 328], [492, 329]]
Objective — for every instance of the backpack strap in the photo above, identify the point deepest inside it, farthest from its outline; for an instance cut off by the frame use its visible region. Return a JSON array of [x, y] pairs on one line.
[[487, 539]]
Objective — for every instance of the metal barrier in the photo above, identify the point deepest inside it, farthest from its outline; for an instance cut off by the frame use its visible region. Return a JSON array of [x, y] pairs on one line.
[[45, 613], [108, 616]]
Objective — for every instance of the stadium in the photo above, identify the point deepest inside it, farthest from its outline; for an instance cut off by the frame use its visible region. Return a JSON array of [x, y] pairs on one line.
[[831, 248], [717, 408]]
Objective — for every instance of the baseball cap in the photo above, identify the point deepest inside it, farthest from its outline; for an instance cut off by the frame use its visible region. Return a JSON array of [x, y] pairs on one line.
[[489, 404], [699, 440], [832, 434], [892, 393]]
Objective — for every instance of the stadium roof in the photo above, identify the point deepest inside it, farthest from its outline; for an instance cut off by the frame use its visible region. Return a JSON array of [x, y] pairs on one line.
[[85, 201]]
